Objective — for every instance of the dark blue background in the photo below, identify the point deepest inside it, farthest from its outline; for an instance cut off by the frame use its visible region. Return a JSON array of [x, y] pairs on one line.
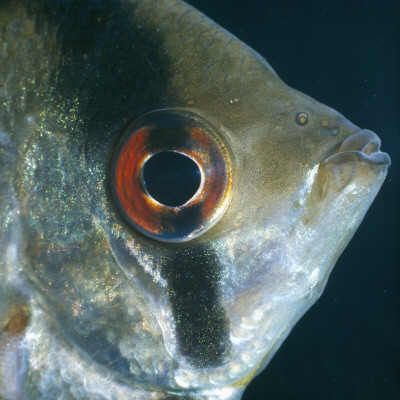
[[345, 54]]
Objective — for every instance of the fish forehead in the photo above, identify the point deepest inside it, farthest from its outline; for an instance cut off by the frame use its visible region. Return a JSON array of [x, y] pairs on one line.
[[171, 316]]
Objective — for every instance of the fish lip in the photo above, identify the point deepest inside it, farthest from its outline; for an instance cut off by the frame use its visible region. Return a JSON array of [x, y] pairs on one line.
[[363, 146]]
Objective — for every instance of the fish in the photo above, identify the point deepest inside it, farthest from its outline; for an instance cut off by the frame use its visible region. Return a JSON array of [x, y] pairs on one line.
[[110, 291]]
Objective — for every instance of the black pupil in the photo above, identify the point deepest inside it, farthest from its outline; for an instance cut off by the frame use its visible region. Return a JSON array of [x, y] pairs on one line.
[[171, 178]]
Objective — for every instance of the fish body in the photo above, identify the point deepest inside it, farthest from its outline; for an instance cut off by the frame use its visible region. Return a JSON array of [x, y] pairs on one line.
[[100, 301]]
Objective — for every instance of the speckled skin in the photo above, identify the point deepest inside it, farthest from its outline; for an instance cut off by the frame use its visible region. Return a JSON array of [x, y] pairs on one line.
[[92, 309]]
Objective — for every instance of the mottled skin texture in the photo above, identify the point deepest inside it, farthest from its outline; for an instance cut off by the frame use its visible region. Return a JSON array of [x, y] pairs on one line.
[[92, 309]]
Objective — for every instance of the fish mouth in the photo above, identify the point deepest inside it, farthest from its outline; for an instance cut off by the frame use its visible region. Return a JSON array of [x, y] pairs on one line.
[[362, 146]]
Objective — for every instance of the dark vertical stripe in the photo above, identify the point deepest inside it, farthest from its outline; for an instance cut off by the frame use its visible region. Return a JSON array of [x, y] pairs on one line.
[[194, 276]]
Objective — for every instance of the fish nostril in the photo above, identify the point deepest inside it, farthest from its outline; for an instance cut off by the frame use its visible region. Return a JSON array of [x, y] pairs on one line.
[[302, 118]]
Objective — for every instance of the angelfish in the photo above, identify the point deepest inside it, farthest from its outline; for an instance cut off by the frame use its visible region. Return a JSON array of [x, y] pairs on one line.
[[169, 207]]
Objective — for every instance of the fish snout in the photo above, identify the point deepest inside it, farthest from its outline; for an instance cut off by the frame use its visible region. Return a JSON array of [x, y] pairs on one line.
[[363, 146]]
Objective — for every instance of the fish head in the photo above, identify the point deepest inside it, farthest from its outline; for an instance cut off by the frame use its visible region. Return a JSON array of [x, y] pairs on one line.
[[310, 176], [304, 177], [300, 179]]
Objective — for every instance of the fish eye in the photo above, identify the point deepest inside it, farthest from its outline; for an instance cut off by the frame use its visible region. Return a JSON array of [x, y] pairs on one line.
[[172, 175]]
